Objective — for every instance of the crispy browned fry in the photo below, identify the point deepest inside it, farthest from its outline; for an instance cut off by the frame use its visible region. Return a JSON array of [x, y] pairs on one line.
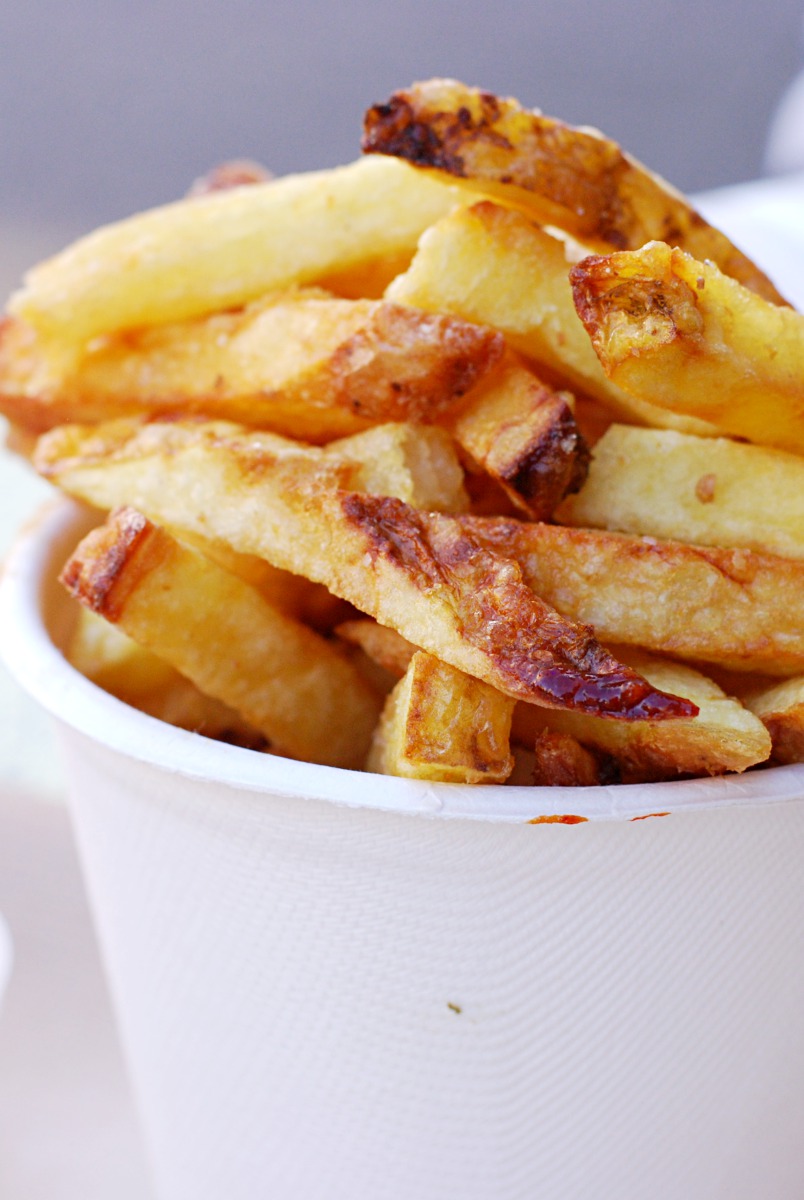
[[286, 681], [415, 463], [383, 646], [220, 251], [780, 708], [561, 761], [574, 178], [421, 573], [303, 363], [724, 736], [523, 434], [106, 656], [733, 607], [494, 266], [441, 724], [709, 491], [679, 334]]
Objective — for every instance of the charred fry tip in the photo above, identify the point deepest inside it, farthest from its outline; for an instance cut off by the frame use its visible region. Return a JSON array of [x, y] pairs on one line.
[[92, 573]]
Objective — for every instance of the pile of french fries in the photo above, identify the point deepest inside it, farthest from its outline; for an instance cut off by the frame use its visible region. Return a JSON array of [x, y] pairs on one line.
[[476, 460]]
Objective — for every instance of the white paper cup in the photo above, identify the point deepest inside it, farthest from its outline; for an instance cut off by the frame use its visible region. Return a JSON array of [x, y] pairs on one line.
[[333, 985]]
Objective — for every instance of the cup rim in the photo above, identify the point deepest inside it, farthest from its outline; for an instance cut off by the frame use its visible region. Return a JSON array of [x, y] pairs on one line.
[[27, 647]]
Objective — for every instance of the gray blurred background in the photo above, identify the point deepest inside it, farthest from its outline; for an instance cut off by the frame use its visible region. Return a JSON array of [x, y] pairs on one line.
[[108, 106]]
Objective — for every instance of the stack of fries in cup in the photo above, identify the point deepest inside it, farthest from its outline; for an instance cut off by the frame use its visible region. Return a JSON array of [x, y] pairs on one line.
[[477, 460]]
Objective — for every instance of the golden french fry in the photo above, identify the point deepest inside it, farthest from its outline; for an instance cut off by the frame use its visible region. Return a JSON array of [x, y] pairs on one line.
[[493, 266], [709, 491], [287, 682], [441, 724], [301, 363], [110, 659], [420, 573], [724, 736], [574, 178], [679, 334], [417, 463], [524, 435], [737, 608], [222, 250], [780, 708]]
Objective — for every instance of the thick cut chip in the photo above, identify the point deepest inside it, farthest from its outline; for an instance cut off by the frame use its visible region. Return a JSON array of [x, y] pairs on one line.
[[493, 266], [441, 724], [421, 573], [679, 334], [288, 682], [574, 178], [302, 363], [724, 736], [110, 659], [709, 491], [524, 435], [417, 464], [780, 708], [732, 607], [225, 249]]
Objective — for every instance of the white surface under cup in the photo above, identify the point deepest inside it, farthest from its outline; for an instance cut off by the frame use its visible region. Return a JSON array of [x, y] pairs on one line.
[[333, 985]]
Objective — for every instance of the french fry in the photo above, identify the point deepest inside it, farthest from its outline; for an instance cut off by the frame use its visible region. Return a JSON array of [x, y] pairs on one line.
[[735, 608], [302, 363], [293, 595], [225, 249], [709, 491], [780, 707], [679, 334], [724, 736], [416, 463], [524, 435], [417, 572], [285, 680], [110, 659], [574, 178], [441, 724], [493, 266]]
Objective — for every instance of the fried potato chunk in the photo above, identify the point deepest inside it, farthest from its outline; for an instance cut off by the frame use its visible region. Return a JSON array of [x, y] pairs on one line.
[[441, 724], [523, 434], [709, 491], [574, 178], [737, 608], [724, 736], [222, 250], [493, 266], [422, 574], [780, 707], [119, 665], [302, 363], [288, 682], [678, 333]]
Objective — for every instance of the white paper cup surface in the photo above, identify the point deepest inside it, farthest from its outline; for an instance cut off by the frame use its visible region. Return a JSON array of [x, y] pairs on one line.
[[335, 986]]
